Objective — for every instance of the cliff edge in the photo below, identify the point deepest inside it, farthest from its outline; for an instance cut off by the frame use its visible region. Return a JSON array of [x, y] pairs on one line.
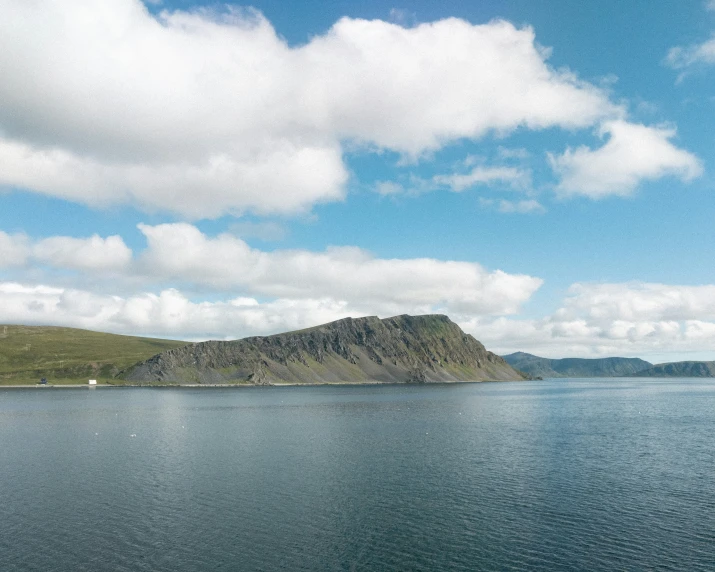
[[406, 349]]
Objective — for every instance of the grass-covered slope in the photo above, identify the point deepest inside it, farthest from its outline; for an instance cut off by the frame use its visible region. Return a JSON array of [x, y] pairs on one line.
[[400, 349], [68, 355], [575, 367]]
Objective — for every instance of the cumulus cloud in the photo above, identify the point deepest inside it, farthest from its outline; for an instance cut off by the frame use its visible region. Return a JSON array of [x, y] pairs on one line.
[[14, 249], [169, 313], [181, 252], [207, 113], [290, 289], [284, 178], [595, 320], [633, 153], [640, 302], [93, 253], [342, 278]]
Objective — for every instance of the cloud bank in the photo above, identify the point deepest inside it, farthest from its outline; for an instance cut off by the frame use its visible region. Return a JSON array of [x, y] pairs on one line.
[[168, 313], [347, 278], [226, 289], [595, 320], [216, 101], [64, 252], [624, 319]]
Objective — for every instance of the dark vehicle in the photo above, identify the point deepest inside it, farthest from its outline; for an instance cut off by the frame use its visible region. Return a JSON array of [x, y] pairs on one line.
[[43, 381]]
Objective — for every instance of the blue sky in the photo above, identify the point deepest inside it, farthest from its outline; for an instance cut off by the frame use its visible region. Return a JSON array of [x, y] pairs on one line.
[[539, 171]]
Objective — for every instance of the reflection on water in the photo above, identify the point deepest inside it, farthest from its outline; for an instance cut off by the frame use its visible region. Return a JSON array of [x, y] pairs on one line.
[[547, 475]]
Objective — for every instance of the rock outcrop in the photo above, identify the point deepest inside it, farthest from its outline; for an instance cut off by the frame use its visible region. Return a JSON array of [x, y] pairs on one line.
[[410, 349]]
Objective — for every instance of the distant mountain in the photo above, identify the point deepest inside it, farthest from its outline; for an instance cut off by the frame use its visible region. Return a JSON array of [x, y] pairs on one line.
[[537, 366], [680, 369], [401, 349]]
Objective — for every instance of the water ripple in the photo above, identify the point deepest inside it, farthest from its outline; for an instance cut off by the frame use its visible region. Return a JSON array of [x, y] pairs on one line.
[[547, 476]]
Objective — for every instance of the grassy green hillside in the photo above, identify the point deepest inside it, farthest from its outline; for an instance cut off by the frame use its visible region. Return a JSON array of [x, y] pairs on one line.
[[68, 355]]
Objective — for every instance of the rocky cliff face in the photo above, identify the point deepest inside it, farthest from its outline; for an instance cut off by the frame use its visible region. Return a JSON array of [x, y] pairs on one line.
[[405, 348]]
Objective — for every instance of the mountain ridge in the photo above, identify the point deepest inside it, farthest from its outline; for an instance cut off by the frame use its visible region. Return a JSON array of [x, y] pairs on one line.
[[401, 349], [537, 366], [679, 369]]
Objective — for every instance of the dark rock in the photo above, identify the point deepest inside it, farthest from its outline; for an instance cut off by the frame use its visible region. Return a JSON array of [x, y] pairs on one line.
[[414, 349]]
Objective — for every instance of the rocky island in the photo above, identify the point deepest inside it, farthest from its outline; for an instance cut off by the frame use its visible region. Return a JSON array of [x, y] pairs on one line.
[[402, 349]]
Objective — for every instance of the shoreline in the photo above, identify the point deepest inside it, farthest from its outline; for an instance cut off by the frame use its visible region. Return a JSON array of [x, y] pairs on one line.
[[237, 385]]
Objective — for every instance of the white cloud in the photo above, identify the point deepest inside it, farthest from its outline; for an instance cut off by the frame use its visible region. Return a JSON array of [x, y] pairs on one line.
[[181, 252], [94, 253], [169, 313], [281, 179], [640, 302], [516, 178], [633, 153], [521, 207], [387, 188], [208, 113], [682, 57], [497, 76], [344, 277], [513, 178], [14, 249], [596, 320]]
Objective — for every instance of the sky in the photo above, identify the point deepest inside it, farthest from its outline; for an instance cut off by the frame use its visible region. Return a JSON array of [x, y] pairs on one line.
[[541, 171]]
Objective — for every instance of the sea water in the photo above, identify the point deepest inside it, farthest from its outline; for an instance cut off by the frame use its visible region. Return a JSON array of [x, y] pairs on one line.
[[597, 474]]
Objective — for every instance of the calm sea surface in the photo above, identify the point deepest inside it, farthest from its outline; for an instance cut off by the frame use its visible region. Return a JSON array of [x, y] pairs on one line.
[[544, 475]]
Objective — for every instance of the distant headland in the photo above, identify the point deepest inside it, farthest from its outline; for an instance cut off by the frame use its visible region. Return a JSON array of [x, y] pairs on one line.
[[401, 349], [536, 366]]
